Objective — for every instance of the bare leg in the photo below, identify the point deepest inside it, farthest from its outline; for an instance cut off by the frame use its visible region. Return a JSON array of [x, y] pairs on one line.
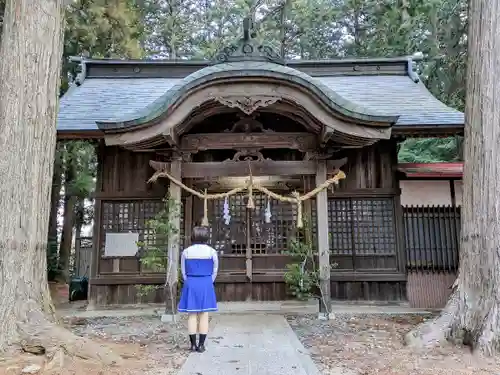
[[203, 325], [203, 329], [192, 327], [192, 324]]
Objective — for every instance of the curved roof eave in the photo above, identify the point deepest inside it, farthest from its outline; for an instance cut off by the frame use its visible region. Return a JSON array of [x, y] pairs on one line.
[[247, 70]]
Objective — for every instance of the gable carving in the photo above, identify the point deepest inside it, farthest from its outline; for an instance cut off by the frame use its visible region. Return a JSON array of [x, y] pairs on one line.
[[247, 104]]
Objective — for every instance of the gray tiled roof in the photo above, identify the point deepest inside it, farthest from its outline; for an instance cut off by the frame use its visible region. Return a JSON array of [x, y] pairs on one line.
[[248, 69], [101, 99], [397, 95]]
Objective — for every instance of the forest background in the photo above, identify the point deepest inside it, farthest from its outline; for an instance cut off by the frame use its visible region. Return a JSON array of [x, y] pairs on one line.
[[433, 30]]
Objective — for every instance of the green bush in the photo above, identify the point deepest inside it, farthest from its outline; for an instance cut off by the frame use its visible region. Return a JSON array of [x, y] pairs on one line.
[[154, 252]]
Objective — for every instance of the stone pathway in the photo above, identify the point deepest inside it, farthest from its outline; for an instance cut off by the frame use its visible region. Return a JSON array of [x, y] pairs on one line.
[[256, 344]]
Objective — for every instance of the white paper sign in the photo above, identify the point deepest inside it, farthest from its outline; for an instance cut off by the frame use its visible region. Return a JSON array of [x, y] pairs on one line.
[[121, 244]]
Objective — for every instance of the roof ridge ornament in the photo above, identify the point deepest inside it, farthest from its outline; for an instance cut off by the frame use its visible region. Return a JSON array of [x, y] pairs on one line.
[[247, 48]]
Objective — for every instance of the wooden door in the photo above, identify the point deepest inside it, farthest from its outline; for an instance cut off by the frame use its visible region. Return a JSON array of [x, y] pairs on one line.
[[252, 242], [228, 237]]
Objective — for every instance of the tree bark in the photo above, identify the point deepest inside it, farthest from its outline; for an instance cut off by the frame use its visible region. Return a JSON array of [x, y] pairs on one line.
[[55, 200], [55, 197], [69, 219], [79, 216], [472, 315], [30, 66]]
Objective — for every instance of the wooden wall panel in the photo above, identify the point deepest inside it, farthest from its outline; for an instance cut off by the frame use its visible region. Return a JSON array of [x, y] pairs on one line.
[[429, 290], [124, 201], [384, 291], [371, 167], [105, 295], [127, 173]]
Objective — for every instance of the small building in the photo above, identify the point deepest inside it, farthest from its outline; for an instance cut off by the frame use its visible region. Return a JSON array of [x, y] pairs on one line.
[[431, 184], [291, 125]]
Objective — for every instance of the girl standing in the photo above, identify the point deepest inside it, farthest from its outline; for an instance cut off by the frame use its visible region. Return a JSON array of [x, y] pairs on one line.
[[199, 265]]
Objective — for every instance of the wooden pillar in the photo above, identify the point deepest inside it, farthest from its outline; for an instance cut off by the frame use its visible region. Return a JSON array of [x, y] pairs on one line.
[[175, 194], [323, 240]]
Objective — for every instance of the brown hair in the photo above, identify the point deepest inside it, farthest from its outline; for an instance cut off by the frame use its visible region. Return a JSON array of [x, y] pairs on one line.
[[200, 235]]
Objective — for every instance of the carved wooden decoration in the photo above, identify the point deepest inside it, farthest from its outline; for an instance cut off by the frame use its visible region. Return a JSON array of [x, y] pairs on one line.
[[248, 124], [259, 168], [302, 142], [247, 104], [247, 155], [323, 154], [281, 183]]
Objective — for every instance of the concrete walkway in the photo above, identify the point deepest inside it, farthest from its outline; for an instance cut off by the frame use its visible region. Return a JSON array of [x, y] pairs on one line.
[[257, 344]]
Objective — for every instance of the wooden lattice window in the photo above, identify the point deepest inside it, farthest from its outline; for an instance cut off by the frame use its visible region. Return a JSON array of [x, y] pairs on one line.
[[273, 237], [130, 216], [226, 238], [248, 227], [362, 226], [133, 216], [312, 224]]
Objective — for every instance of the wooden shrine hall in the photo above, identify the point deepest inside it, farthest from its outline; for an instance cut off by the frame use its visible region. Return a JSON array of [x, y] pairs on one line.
[[292, 125]]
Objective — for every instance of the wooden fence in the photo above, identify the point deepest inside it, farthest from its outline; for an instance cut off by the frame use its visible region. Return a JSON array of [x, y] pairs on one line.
[[82, 256], [432, 236]]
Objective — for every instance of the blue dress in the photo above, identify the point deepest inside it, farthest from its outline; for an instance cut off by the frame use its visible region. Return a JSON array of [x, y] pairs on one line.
[[199, 264]]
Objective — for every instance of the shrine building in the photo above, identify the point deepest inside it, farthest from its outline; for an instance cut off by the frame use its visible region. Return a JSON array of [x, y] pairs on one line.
[[291, 125]]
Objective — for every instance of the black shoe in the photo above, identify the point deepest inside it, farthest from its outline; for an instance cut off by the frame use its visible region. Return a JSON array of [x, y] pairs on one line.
[[192, 340], [201, 343]]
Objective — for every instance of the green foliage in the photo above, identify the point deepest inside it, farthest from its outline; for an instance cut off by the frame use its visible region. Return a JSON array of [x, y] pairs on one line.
[[431, 150], [301, 277], [96, 28], [302, 274], [103, 29], [169, 27], [79, 168], [154, 250], [81, 157]]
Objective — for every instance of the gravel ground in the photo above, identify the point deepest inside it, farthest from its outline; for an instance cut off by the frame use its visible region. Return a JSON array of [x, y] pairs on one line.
[[147, 347], [367, 345], [161, 346]]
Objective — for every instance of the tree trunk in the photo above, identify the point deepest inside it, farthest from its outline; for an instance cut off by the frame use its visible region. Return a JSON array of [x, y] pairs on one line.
[[472, 314], [69, 219], [79, 216], [30, 66], [55, 198], [66, 237]]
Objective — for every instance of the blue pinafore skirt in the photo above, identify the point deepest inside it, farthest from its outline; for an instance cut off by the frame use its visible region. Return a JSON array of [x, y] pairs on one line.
[[198, 292]]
